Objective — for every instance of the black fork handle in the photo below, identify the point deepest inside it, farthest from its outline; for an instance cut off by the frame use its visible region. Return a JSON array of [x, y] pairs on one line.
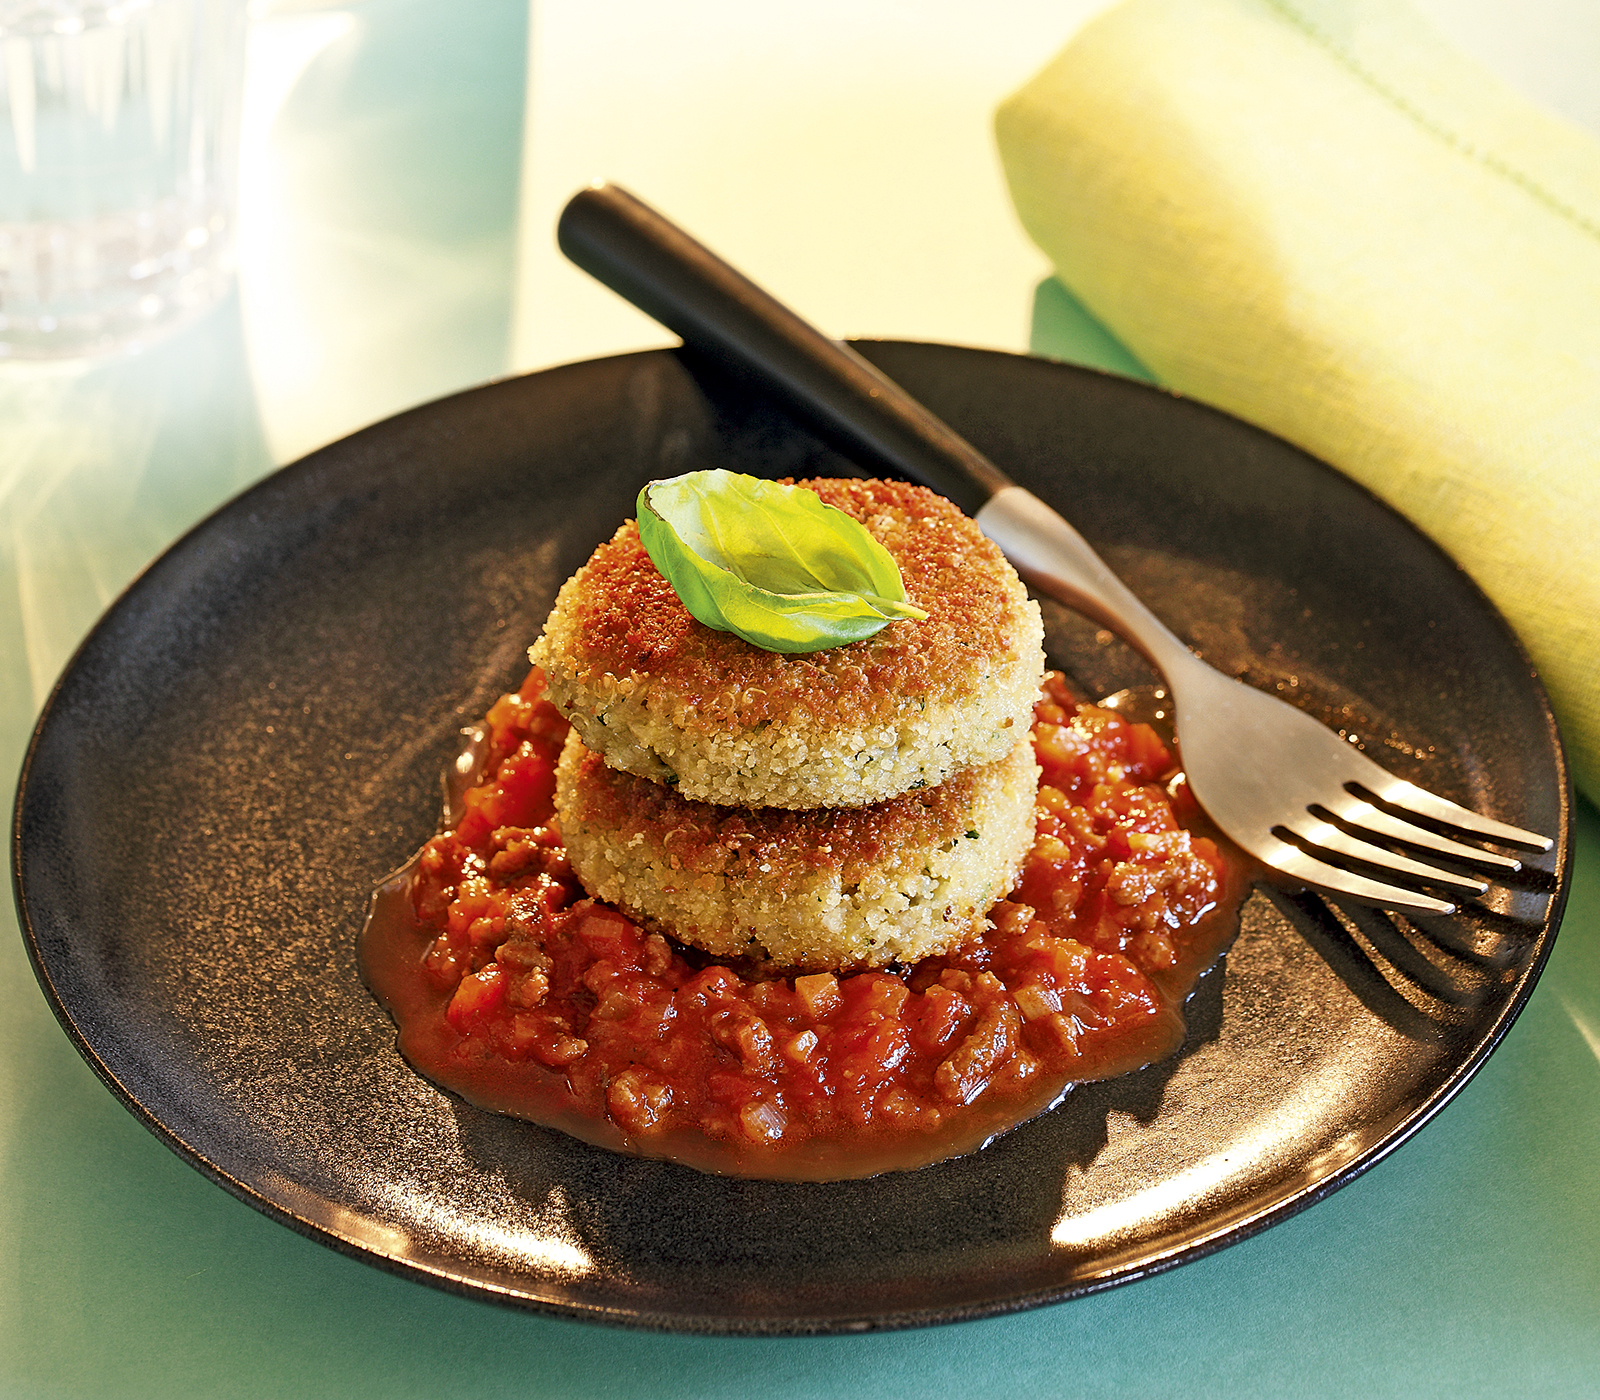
[[644, 257]]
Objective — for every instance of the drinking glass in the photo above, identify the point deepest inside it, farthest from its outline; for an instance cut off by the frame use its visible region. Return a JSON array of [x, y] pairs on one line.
[[119, 134]]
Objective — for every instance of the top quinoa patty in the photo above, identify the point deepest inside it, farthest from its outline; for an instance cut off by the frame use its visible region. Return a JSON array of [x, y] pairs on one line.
[[659, 694]]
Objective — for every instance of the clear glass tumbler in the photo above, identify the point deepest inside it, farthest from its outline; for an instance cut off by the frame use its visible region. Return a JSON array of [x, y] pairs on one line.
[[119, 136]]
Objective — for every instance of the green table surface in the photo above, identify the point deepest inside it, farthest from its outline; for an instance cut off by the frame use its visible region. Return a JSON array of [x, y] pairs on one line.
[[1466, 1263]]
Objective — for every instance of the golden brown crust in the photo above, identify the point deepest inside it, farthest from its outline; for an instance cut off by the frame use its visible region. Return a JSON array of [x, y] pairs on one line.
[[704, 838], [816, 889], [631, 623], [662, 696]]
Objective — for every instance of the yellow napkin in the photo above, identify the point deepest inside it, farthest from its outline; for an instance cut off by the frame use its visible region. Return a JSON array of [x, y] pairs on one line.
[[1318, 216]]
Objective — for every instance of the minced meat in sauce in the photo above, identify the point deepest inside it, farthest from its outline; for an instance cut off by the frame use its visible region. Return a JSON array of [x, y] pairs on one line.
[[515, 990]]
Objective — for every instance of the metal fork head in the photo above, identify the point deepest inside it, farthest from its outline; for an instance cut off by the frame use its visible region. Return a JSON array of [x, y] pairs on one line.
[[1308, 803], [1271, 777]]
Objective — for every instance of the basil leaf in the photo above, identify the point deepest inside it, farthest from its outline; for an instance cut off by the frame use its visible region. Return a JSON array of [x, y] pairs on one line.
[[772, 564]]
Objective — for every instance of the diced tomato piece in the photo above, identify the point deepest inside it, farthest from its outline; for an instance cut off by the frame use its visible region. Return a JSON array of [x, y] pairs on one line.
[[611, 935], [477, 997], [522, 793]]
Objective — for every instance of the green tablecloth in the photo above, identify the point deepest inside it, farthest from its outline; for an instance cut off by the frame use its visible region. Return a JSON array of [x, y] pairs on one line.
[[1468, 1263]]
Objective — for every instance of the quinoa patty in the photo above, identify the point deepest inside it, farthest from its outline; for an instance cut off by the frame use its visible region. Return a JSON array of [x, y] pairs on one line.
[[663, 696], [830, 889]]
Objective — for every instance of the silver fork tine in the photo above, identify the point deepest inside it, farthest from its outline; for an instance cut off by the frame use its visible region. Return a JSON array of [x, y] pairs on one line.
[[1296, 864], [1360, 813], [1326, 836], [1411, 798]]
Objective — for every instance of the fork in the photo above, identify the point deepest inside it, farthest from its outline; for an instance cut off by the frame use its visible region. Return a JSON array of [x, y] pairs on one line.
[[1273, 779]]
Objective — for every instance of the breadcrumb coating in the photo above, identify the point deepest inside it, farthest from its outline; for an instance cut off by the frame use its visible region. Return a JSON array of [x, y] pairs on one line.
[[835, 889], [661, 695]]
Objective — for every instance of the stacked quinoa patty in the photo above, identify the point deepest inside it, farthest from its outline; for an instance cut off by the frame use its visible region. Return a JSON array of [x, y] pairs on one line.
[[840, 809]]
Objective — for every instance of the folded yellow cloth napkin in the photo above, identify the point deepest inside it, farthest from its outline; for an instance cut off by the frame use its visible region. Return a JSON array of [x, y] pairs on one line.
[[1317, 215]]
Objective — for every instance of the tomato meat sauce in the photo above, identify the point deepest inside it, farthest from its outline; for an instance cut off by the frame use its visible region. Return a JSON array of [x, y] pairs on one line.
[[513, 988]]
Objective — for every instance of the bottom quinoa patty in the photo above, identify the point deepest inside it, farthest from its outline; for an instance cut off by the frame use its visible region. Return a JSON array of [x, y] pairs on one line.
[[827, 888]]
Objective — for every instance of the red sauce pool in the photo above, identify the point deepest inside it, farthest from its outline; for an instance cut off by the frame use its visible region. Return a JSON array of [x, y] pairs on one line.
[[518, 992]]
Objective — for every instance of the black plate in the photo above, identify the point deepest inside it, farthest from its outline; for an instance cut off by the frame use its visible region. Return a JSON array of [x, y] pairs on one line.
[[253, 736]]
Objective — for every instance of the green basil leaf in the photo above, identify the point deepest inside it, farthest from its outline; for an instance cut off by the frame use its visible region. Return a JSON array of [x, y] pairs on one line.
[[772, 564]]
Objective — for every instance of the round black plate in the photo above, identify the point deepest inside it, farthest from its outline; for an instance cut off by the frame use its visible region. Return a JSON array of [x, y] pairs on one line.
[[253, 736]]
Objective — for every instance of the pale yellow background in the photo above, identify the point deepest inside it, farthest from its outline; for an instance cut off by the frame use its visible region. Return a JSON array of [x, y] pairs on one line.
[[841, 153]]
